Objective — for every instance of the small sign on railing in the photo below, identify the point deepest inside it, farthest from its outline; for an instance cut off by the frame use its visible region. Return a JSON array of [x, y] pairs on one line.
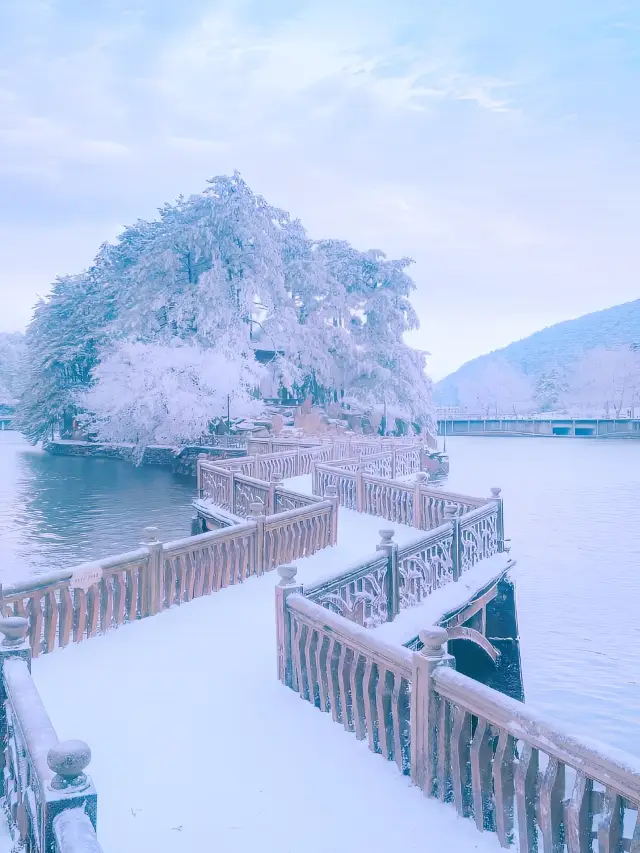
[[84, 579]]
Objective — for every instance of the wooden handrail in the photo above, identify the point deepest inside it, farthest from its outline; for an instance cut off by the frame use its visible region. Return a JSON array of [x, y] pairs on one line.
[[611, 767]]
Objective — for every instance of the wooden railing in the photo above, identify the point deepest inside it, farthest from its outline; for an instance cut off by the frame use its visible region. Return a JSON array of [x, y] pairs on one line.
[[513, 770], [49, 802], [66, 607], [413, 504], [395, 578], [345, 670], [505, 766]]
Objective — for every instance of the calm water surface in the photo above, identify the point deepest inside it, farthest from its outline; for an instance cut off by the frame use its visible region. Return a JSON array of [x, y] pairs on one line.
[[572, 511], [57, 511]]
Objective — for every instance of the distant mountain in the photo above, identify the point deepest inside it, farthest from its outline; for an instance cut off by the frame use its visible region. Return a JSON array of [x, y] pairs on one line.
[[570, 355], [12, 347]]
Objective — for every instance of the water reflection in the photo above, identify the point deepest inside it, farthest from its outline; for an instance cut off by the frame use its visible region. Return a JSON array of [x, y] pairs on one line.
[[58, 511]]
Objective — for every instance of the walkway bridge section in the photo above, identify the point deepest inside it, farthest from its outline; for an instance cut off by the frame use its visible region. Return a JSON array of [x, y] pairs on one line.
[[199, 740]]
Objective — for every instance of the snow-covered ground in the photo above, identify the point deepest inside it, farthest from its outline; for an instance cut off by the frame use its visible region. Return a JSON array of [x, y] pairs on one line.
[[197, 746]]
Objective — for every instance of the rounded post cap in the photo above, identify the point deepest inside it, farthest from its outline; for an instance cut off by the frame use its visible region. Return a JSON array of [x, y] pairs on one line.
[[331, 491], [433, 639], [256, 508], [68, 760], [276, 477], [450, 511], [287, 574], [151, 534], [15, 630], [495, 492], [421, 477], [386, 535]]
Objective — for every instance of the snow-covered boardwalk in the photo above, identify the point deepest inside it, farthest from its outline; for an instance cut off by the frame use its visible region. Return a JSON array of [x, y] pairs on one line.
[[197, 746]]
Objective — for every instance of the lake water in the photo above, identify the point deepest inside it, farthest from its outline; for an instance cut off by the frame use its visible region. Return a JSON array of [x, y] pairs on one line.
[[56, 511], [572, 511]]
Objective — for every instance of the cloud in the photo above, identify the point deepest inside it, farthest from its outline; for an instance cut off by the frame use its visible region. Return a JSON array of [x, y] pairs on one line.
[[492, 144]]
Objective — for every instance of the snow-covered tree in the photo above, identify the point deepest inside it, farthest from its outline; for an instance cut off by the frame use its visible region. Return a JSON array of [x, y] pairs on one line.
[[605, 382], [217, 266], [166, 393], [550, 388], [62, 344], [12, 349]]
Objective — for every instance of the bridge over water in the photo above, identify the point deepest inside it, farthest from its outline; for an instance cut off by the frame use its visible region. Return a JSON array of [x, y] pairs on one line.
[[600, 428]]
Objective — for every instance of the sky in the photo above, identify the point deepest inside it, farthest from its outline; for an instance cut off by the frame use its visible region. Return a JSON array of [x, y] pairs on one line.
[[495, 143]]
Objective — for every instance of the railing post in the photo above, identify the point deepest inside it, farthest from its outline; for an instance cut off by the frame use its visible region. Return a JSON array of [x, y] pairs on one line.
[[451, 514], [424, 708], [14, 645], [420, 481], [331, 494], [495, 496], [196, 525], [199, 461], [359, 488], [274, 481], [256, 513], [70, 787], [286, 587], [392, 578], [154, 592]]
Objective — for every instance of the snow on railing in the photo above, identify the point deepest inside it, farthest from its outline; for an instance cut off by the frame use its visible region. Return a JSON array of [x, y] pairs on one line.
[[49, 802], [378, 494], [377, 588], [510, 769], [94, 597], [67, 606], [513, 770]]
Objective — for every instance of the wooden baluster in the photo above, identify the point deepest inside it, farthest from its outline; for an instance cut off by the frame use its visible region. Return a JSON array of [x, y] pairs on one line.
[[370, 708], [345, 666], [503, 787], [120, 596], [208, 570], [525, 783], [481, 755], [460, 746], [552, 790], [66, 617], [132, 595], [34, 615], [297, 682], [610, 824], [358, 696], [321, 669], [305, 687], [104, 597], [399, 705], [443, 761], [216, 567], [313, 677], [579, 816], [80, 621], [198, 572], [336, 699], [93, 610], [190, 576], [50, 621]]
